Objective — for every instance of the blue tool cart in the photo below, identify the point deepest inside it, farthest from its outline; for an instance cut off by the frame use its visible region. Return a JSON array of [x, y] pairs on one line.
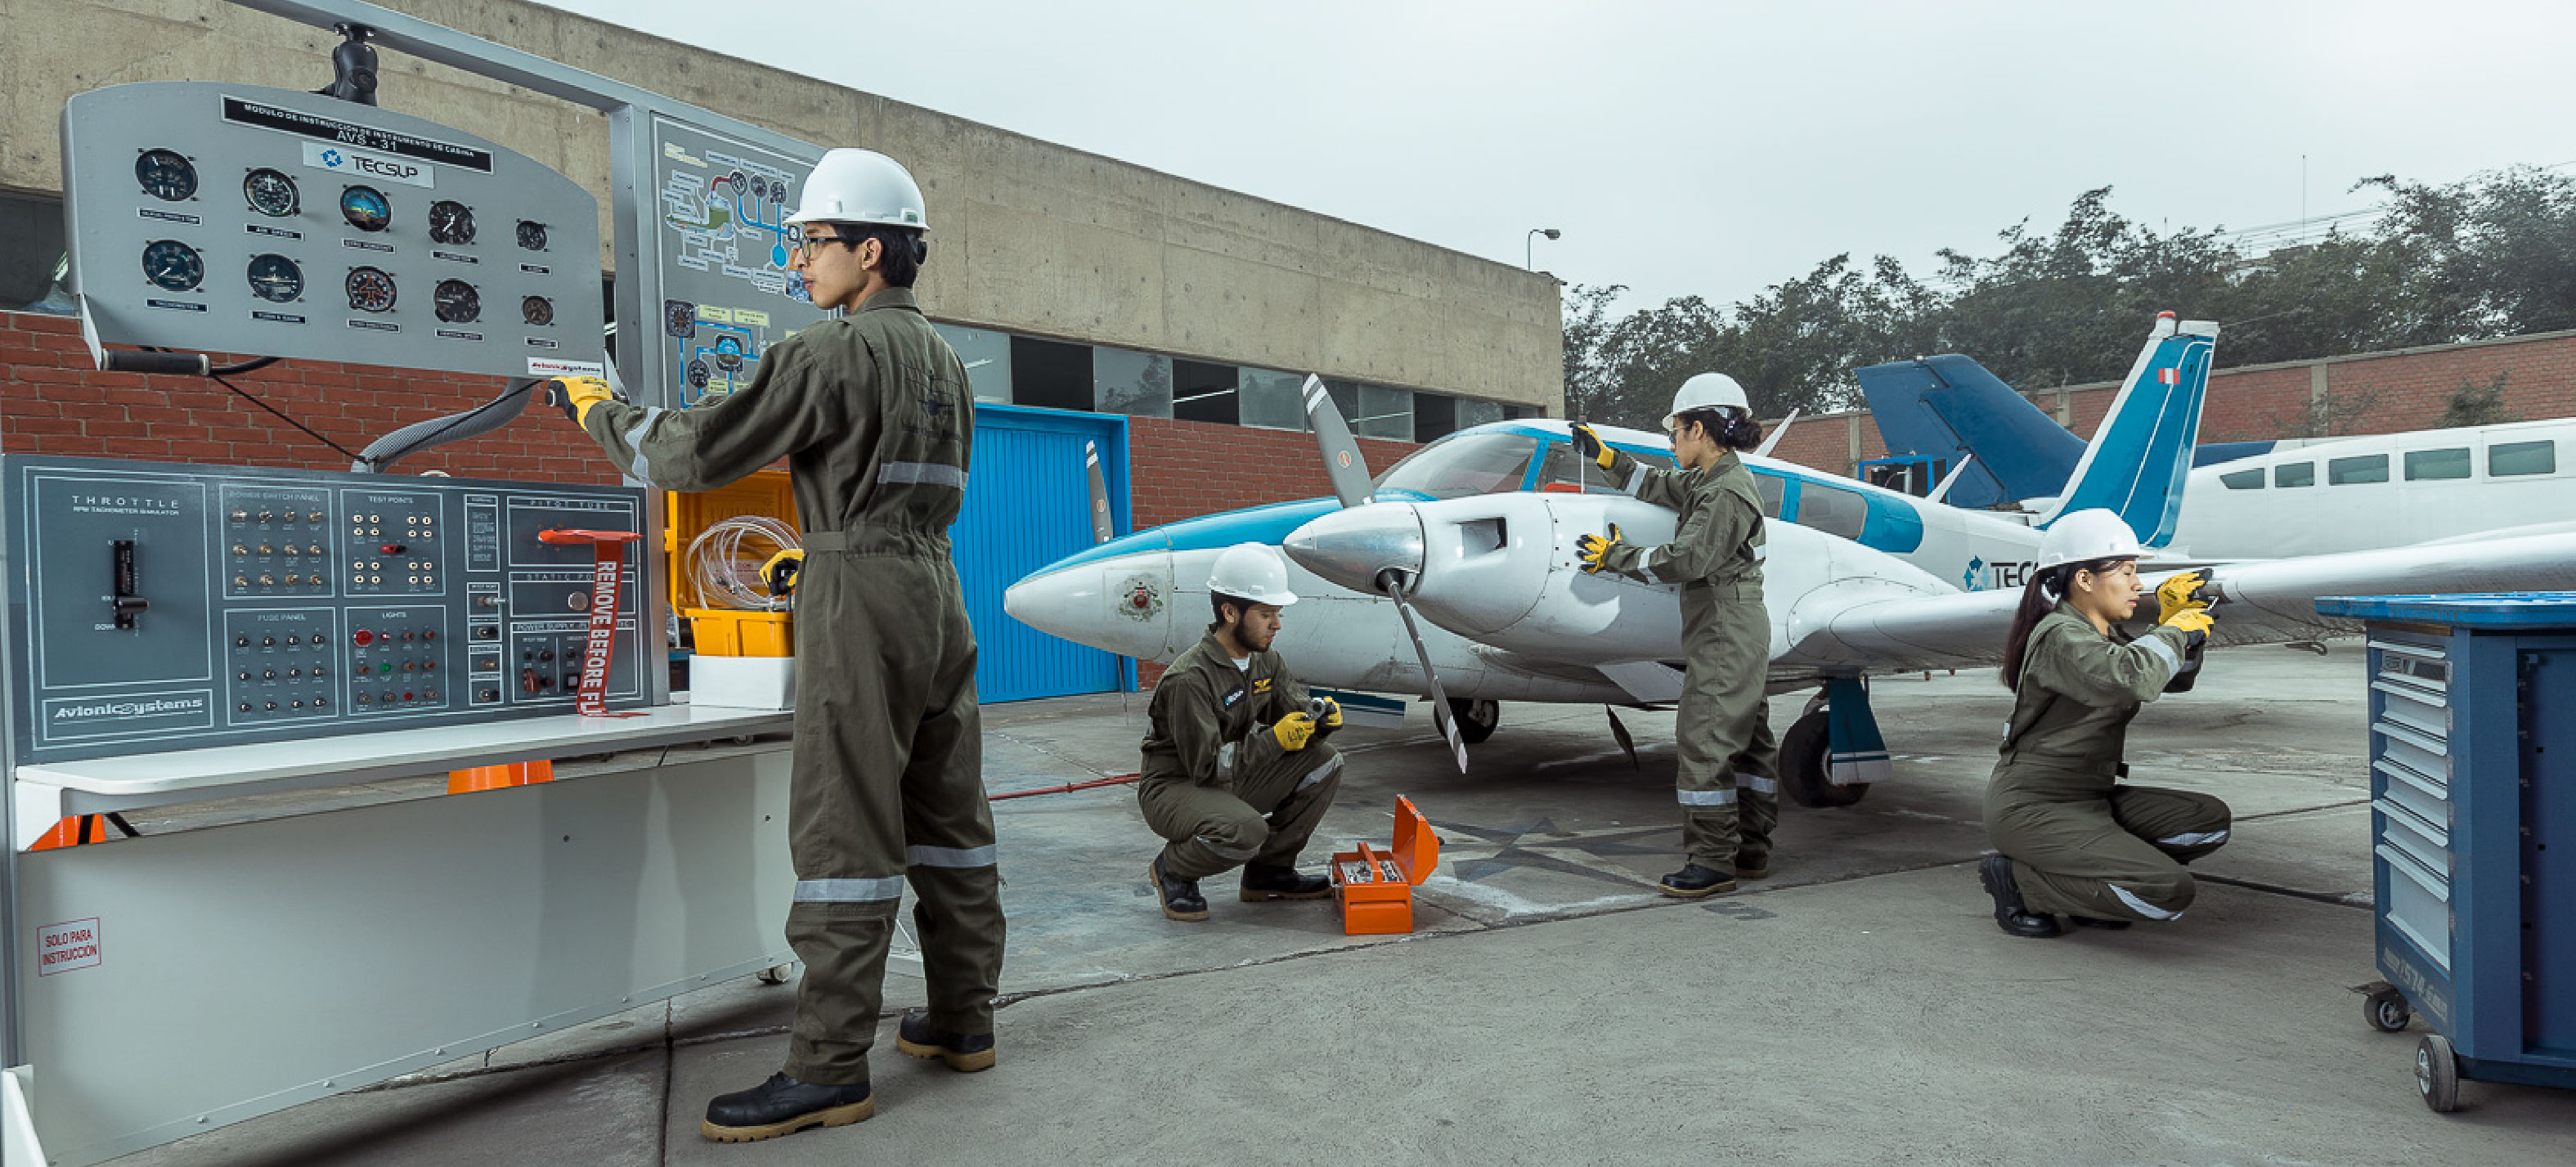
[[2473, 778]]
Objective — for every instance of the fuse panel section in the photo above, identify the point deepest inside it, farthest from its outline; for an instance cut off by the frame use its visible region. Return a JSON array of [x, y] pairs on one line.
[[157, 607]]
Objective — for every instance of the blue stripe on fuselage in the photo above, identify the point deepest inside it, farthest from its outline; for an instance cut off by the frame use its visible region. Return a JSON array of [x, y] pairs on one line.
[[1262, 524]]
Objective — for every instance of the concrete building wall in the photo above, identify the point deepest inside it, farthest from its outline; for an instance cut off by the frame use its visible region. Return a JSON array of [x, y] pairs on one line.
[[1029, 236]]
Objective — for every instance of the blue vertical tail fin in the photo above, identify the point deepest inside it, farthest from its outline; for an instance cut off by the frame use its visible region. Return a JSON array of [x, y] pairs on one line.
[[1949, 407], [2139, 459]]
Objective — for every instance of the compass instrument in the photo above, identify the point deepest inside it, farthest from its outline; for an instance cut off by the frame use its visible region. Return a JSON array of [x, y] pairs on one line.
[[456, 302], [276, 279], [366, 208], [271, 192], [370, 289], [451, 222], [173, 266], [166, 175]]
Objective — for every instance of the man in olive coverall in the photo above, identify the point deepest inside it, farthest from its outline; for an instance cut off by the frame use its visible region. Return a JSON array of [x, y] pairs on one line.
[[874, 415]]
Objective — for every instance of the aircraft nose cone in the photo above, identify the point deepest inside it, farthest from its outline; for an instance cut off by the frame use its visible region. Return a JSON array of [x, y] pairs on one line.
[[1120, 607], [1355, 545]]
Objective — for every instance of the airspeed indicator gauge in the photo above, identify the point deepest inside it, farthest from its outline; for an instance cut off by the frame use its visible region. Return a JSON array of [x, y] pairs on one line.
[[173, 266], [271, 193], [451, 222], [537, 311], [370, 289], [365, 208], [457, 302], [166, 175], [276, 279]]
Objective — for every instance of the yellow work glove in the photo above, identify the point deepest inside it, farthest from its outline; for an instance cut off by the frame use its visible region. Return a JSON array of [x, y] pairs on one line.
[[1332, 712], [580, 393], [2180, 592], [1595, 549], [780, 572], [2191, 620], [1294, 731], [1591, 446]]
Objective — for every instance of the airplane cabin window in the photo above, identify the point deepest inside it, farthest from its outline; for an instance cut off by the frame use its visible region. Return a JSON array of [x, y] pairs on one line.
[[1563, 466], [1831, 509], [2295, 474], [1772, 487], [2357, 470], [2510, 458], [2450, 463], [1458, 467], [2243, 479]]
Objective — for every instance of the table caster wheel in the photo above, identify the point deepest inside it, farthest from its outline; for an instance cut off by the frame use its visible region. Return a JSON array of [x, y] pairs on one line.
[[2437, 1073], [2387, 1010]]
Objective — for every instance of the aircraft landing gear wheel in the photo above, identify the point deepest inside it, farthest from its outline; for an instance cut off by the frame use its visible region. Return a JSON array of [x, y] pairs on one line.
[[2387, 1010], [1476, 719], [775, 974], [2437, 1073], [1803, 758]]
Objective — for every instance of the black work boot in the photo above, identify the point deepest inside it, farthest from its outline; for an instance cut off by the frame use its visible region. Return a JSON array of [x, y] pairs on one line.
[[1181, 898], [1264, 882], [784, 1106], [2011, 914], [2092, 922], [1752, 866], [964, 1052], [1694, 881]]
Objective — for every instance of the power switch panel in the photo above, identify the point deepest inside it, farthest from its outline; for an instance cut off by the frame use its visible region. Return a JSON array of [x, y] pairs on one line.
[[168, 607]]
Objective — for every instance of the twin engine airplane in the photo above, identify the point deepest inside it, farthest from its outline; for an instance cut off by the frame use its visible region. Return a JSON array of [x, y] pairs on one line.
[[1476, 533]]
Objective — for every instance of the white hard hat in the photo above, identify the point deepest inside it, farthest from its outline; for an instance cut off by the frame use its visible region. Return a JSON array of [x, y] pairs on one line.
[[2085, 536], [1252, 571], [861, 186], [1706, 391]]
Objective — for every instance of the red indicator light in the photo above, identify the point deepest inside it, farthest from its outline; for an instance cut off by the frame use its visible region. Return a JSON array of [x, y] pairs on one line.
[[362, 638]]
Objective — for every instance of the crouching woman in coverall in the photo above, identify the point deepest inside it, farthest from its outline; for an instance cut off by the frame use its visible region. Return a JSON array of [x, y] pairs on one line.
[[2075, 841]]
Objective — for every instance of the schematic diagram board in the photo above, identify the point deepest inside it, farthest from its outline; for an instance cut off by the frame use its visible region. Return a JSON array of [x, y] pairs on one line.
[[209, 217], [720, 264], [156, 607]]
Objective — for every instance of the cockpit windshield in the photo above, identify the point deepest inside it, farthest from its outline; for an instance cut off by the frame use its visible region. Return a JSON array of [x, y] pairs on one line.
[[1462, 466]]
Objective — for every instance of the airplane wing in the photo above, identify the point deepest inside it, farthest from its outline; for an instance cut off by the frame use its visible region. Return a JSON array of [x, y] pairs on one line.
[[2267, 602]]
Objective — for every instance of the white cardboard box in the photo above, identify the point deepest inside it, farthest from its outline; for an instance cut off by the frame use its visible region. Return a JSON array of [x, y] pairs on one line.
[[743, 682]]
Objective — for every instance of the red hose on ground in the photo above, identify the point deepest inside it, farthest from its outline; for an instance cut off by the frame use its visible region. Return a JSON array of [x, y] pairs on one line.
[[1068, 788]]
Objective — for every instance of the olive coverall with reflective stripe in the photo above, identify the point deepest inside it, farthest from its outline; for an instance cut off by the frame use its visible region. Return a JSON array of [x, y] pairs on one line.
[[1216, 784], [1728, 756], [2081, 843], [875, 418]]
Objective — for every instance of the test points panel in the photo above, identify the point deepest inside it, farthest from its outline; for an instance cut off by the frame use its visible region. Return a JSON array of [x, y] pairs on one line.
[[155, 607]]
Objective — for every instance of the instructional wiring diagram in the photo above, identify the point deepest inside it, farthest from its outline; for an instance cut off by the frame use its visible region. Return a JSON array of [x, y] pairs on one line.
[[727, 291]]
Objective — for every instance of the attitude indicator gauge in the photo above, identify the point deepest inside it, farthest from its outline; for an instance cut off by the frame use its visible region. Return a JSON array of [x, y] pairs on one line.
[[537, 310], [166, 175], [370, 289], [276, 279], [451, 222], [173, 266], [271, 193], [366, 209], [456, 302]]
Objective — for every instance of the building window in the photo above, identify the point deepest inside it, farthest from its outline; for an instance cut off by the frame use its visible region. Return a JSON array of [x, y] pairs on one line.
[[988, 359], [2509, 458], [1472, 413], [1831, 509], [2357, 470], [2450, 463], [1772, 487], [1384, 413], [2243, 479], [1435, 416], [1132, 383], [1050, 374], [31, 255], [1204, 392], [2295, 474], [1271, 400]]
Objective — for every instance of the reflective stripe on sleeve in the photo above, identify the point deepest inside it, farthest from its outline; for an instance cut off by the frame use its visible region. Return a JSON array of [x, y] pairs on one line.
[[849, 891], [984, 856], [1724, 797], [922, 473], [2193, 839], [1637, 478], [1225, 759], [1757, 783], [2142, 907], [642, 468], [2157, 645]]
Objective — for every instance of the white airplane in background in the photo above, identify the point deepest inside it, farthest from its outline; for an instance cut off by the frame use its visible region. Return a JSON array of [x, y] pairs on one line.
[[2386, 490], [1477, 533]]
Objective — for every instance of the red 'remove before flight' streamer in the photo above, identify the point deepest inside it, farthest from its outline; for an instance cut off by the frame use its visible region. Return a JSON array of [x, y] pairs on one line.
[[608, 563]]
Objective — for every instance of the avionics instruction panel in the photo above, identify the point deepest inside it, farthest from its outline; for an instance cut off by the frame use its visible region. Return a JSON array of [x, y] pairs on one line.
[[221, 218], [156, 607]]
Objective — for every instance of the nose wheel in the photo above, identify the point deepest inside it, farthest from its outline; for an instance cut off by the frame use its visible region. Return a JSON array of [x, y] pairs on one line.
[[1804, 756]]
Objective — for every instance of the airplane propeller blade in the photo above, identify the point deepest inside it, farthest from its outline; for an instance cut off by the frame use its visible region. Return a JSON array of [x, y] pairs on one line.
[[1342, 461], [1439, 697], [1777, 433], [1625, 742], [1103, 528]]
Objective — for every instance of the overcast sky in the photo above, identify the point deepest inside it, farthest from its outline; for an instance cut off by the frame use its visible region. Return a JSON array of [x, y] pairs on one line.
[[1714, 148]]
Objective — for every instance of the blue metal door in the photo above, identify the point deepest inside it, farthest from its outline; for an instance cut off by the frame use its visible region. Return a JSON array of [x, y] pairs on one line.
[[1028, 504]]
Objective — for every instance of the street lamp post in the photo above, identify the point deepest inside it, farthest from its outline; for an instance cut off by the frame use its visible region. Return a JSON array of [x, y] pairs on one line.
[[1529, 246]]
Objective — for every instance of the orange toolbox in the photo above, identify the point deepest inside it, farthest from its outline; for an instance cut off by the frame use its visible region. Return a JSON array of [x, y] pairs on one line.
[[1375, 888]]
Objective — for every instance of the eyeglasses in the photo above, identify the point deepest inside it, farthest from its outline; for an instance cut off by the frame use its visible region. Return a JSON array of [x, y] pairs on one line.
[[807, 245]]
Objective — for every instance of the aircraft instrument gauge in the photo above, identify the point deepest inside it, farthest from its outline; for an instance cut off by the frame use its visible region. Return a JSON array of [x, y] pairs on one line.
[[370, 289], [166, 175], [532, 236], [271, 193], [451, 222], [173, 266], [457, 302], [365, 208], [537, 310], [275, 278]]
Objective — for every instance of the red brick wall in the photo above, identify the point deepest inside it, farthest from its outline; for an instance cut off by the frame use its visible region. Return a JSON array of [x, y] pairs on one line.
[[1182, 469], [52, 401]]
